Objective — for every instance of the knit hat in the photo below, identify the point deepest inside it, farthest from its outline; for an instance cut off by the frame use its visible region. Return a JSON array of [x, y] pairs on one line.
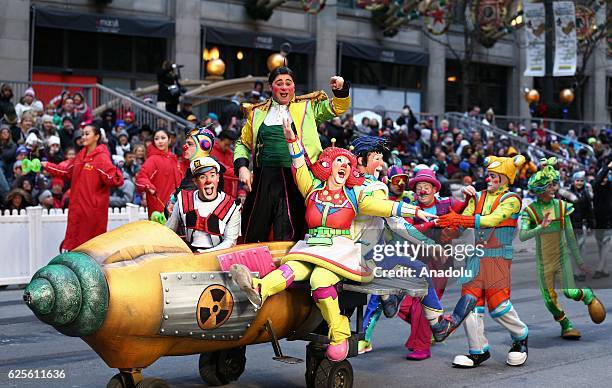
[[47, 118], [57, 182], [44, 195], [578, 175], [32, 140], [425, 175], [504, 166], [53, 140], [21, 150], [213, 116], [29, 92]]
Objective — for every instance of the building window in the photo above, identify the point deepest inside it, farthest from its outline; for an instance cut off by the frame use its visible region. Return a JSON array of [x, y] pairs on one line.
[[254, 63], [487, 87], [107, 55], [381, 74], [149, 54], [48, 47], [116, 52], [82, 50]]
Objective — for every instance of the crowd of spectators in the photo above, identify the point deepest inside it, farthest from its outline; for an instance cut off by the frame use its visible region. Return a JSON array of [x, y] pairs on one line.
[[30, 130], [457, 153]]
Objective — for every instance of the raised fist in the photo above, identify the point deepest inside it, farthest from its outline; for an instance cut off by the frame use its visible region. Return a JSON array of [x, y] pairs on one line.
[[336, 82]]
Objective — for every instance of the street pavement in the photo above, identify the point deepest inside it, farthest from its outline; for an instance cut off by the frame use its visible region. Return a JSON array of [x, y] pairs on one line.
[[27, 343]]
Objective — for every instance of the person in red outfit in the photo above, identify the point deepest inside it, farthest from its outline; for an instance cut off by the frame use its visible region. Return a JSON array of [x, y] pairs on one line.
[[91, 175], [160, 174]]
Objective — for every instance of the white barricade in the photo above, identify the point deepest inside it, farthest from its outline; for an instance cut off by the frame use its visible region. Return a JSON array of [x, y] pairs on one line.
[[32, 237]]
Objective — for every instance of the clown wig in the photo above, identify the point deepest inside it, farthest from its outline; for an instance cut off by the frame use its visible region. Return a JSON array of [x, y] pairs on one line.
[[322, 168], [364, 145]]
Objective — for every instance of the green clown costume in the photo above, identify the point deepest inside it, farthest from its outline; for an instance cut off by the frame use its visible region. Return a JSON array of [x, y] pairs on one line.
[[554, 243]]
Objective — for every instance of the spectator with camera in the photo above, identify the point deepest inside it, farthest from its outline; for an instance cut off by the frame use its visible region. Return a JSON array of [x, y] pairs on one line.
[[169, 89]]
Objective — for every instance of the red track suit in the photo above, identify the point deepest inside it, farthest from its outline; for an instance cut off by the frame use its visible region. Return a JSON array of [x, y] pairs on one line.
[[91, 176], [160, 172]]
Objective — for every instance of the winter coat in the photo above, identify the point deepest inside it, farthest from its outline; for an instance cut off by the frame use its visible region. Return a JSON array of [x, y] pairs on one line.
[[583, 209], [7, 152], [6, 106], [160, 172], [602, 199], [91, 176]]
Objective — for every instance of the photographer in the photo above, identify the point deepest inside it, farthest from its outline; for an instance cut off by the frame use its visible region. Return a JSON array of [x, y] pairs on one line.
[[169, 89]]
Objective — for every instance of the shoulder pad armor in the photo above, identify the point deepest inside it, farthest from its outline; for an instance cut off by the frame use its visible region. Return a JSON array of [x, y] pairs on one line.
[[248, 107], [314, 96]]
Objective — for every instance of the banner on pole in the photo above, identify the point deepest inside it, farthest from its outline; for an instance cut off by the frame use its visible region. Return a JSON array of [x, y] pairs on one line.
[[535, 31], [565, 39]]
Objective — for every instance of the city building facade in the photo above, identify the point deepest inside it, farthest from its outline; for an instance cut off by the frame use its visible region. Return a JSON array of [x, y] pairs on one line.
[[123, 42]]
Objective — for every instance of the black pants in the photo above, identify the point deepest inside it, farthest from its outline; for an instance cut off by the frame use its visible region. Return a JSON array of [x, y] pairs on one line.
[[276, 204]]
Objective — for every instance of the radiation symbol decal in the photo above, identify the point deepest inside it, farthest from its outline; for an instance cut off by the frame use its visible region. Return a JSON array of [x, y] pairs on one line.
[[214, 307]]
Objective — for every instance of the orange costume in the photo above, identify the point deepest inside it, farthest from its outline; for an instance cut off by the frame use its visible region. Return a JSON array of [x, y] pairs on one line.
[[493, 214]]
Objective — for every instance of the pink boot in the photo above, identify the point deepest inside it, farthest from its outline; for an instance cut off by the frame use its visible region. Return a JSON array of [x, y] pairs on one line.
[[337, 352], [418, 355]]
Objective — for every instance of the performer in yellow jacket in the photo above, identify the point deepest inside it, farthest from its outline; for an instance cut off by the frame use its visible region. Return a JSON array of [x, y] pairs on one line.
[[273, 203], [493, 214]]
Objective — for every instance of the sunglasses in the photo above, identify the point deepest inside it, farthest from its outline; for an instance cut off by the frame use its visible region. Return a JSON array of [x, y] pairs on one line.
[[399, 180]]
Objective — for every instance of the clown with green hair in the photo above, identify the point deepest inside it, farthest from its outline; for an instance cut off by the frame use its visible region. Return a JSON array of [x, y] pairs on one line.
[[547, 220]]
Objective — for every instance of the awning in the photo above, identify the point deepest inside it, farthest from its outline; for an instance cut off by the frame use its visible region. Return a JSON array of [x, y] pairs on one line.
[[382, 54], [262, 40], [59, 18]]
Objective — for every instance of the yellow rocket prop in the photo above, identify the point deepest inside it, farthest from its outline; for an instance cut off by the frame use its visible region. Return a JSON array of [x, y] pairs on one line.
[[138, 293]]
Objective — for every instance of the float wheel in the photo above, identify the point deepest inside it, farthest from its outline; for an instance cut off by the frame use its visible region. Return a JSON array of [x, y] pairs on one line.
[[313, 359], [119, 381], [334, 374], [223, 366]]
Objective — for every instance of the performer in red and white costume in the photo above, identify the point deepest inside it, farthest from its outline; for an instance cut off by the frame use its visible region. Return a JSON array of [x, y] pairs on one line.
[[210, 217]]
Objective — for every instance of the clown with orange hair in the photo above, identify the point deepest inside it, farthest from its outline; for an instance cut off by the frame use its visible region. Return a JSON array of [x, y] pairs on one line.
[[328, 254]]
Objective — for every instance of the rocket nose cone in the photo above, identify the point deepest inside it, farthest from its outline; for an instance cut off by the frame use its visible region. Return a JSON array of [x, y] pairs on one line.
[[39, 296]]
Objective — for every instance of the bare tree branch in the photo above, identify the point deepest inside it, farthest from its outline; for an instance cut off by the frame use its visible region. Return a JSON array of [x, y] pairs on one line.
[[445, 44]]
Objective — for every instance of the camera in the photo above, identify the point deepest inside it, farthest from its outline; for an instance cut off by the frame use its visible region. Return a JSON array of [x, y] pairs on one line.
[[175, 66]]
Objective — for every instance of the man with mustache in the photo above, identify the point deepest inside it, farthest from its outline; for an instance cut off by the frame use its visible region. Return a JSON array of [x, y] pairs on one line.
[[493, 214], [211, 217]]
